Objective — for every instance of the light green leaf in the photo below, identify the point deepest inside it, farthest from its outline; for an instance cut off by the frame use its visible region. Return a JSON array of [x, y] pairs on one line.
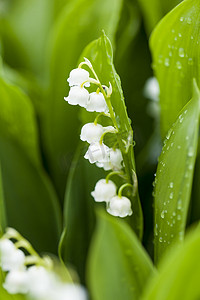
[[100, 54], [18, 120], [174, 177], [118, 266], [179, 273], [154, 10], [175, 50], [80, 22], [24, 27]]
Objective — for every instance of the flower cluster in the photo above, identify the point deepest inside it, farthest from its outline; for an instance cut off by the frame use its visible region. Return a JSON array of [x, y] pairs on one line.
[[32, 275], [108, 158]]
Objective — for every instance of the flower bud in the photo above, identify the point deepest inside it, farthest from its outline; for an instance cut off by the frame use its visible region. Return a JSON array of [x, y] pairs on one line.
[[11, 258], [104, 191], [91, 132], [77, 96], [119, 207], [78, 76], [97, 103]]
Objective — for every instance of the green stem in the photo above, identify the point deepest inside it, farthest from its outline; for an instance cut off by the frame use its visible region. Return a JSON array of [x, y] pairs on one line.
[[99, 115], [123, 187], [119, 173]]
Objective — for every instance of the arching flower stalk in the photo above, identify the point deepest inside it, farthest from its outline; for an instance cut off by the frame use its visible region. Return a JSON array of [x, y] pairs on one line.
[[108, 158]]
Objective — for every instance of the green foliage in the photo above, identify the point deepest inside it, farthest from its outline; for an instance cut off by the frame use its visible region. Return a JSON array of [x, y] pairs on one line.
[[174, 177], [178, 274], [45, 182], [174, 45], [118, 266]]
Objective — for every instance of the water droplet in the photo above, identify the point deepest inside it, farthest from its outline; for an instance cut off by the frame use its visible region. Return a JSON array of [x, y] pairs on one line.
[[162, 214], [180, 35], [172, 235], [172, 144], [181, 19], [189, 21], [190, 151], [174, 214], [170, 53], [171, 195], [173, 30], [178, 217], [179, 204], [160, 239], [181, 52], [164, 203], [167, 62], [192, 37], [160, 59], [175, 38], [178, 147], [156, 229], [171, 184], [178, 65]]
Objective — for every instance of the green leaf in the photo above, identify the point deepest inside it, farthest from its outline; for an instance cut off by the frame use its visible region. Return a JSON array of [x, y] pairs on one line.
[[174, 177], [18, 120], [99, 52], [79, 212], [179, 273], [175, 50], [79, 24], [20, 31], [154, 10], [118, 266], [25, 184]]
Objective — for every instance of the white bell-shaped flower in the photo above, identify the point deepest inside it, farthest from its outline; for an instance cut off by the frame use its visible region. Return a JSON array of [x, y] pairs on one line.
[[116, 159], [41, 282], [68, 291], [105, 165], [6, 247], [78, 96], [12, 260], [97, 153], [119, 207], [97, 103], [152, 89], [16, 282], [78, 76], [104, 191], [91, 132]]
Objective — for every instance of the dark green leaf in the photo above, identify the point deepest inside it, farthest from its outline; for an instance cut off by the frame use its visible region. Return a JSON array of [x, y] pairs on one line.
[[174, 45], [79, 212], [118, 266], [174, 177]]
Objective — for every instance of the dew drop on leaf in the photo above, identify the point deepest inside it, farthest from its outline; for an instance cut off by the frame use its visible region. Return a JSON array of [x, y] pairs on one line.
[[181, 52]]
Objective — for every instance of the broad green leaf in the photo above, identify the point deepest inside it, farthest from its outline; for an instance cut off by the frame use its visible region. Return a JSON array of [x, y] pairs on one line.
[[175, 50], [99, 52], [24, 27], [79, 24], [179, 272], [118, 266], [154, 10], [79, 212], [174, 177], [25, 184], [30, 200], [18, 120]]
